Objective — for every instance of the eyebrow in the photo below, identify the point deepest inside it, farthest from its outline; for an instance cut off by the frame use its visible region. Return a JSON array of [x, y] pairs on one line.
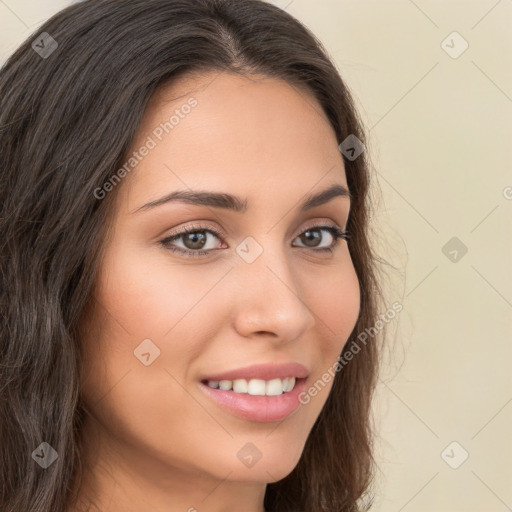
[[237, 204]]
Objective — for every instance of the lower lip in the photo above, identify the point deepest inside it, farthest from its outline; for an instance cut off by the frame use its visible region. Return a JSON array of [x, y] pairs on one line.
[[257, 407]]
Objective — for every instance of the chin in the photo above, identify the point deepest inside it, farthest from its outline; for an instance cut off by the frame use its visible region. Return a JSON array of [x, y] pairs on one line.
[[273, 469]]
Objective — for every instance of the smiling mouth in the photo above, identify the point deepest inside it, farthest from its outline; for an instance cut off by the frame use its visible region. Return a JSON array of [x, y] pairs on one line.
[[255, 387], [259, 400]]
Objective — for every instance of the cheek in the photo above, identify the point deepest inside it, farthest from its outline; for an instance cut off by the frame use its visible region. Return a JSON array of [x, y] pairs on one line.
[[154, 296], [336, 305], [139, 299]]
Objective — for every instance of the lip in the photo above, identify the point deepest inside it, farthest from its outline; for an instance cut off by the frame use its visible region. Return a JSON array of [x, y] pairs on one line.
[[256, 407], [263, 372]]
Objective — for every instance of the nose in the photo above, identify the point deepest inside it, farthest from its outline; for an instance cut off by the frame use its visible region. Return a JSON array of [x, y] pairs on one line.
[[269, 299]]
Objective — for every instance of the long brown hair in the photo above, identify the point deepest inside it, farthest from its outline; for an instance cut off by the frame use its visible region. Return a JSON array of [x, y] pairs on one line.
[[68, 112]]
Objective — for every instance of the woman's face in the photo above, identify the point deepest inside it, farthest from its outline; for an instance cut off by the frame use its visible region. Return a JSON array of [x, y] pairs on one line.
[[265, 303]]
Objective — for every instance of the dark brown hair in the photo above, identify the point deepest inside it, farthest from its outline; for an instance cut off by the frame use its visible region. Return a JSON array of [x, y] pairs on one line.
[[66, 121]]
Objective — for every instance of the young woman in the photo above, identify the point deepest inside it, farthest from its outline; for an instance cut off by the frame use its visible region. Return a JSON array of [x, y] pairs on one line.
[[185, 263]]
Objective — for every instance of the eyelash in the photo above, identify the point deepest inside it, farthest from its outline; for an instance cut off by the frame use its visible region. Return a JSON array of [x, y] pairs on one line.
[[335, 231]]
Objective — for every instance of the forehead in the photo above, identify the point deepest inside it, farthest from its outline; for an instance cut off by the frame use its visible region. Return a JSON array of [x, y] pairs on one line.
[[226, 131]]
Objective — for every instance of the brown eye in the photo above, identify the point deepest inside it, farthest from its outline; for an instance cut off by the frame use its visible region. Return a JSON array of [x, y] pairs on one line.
[[195, 238], [313, 237]]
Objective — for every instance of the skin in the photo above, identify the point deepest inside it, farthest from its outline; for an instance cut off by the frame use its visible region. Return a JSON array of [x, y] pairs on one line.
[[153, 440]]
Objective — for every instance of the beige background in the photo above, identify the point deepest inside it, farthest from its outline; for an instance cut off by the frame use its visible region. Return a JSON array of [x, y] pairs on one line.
[[440, 139]]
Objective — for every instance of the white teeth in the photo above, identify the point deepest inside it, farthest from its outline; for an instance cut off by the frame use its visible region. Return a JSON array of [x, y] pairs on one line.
[[256, 387], [240, 386], [290, 384], [225, 385], [274, 387]]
